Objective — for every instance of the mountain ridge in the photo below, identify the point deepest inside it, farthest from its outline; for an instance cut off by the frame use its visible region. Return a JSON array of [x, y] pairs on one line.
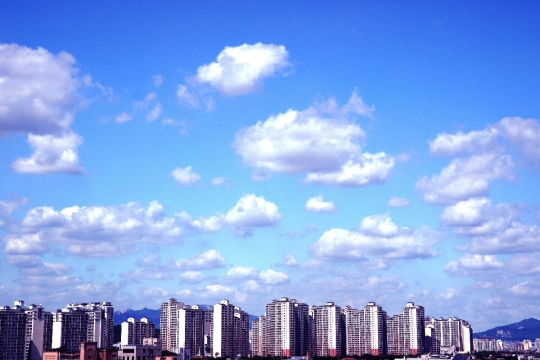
[[519, 331]]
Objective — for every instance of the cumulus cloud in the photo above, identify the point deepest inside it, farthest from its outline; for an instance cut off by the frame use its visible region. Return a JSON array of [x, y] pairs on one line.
[[38, 97], [218, 181], [251, 212], [328, 149], [518, 237], [524, 133], [289, 260], [377, 235], [525, 264], [239, 70], [241, 273], [92, 230], [397, 202], [272, 277], [465, 178], [473, 264], [51, 154], [474, 141], [317, 204], [205, 224], [185, 176], [210, 259], [123, 117], [192, 277], [7, 207]]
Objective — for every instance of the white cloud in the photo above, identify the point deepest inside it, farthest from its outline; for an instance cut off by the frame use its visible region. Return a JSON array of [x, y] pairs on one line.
[[317, 204], [157, 80], [25, 244], [147, 273], [465, 178], [288, 260], [397, 202], [52, 154], [473, 264], [363, 170], [206, 224], [208, 260], [328, 149], [477, 216], [524, 264], [123, 117], [251, 212], [242, 272], [518, 237], [149, 260], [185, 176], [272, 277], [218, 181], [378, 236], [155, 113], [96, 230], [217, 291], [186, 97], [525, 133], [239, 70], [295, 142], [260, 175], [472, 142], [448, 294], [38, 97], [192, 277]]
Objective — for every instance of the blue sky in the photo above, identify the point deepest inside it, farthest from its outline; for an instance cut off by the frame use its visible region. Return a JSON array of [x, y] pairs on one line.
[[364, 151]]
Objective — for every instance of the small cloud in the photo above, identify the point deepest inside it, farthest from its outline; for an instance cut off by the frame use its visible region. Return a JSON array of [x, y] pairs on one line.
[[251, 212], [208, 260], [289, 260], [218, 181], [260, 175], [123, 117], [157, 80], [317, 204], [91, 267], [185, 176], [192, 277], [154, 113], [397, 202]]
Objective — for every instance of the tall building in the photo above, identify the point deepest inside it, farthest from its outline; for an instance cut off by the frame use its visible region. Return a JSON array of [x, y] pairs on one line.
[[191, 322], [13, 332], [286, 328], [230, 330], [447, 336], [405, 332], [133, 332], [330, 330], [257, 335], [168, 327], [83, 322]]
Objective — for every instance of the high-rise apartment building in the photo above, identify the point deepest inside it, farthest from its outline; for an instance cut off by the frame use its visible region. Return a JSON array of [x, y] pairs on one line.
[[83, 322], [285, 328], [365, 330], [133, 332], [168, 327], [447, 335], [191, 322], [13, 332], [405, 332], [230, 330], [330, 330], [257, 334]]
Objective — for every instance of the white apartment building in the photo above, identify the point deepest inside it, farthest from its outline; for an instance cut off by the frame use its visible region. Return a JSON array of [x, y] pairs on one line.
[[191, 321], [405, 332], [133, 332], [329, 330], [446, 336], [230, 330], [77, 322], [285, 329], [168, 327]]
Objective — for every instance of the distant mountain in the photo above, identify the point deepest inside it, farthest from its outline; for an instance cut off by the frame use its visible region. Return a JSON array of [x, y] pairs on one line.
[[153, 315], [122, 315], [525, 329]]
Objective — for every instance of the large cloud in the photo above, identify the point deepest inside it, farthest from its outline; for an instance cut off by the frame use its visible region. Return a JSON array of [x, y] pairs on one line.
[[251, 212], [207, 260], [473, 264], [328, 149], [378, 236], [465, 178], [92, 230], [38, 97], [239, 70]]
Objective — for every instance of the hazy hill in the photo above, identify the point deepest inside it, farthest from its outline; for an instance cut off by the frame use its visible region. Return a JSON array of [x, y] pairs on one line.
[[525, 329]]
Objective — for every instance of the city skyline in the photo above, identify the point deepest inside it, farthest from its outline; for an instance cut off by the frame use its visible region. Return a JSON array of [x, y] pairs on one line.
[[354, 153]]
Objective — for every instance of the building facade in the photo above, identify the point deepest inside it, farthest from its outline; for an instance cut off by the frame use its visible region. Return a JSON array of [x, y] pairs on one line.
[[230, 330], [405, 332]]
